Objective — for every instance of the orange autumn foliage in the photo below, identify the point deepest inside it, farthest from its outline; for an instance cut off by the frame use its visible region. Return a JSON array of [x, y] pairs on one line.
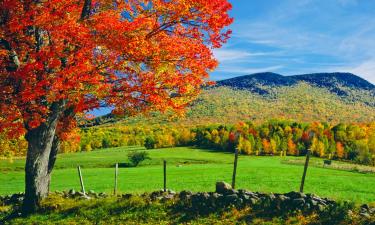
[[266, 146], [133, 55], [340, 150], [292, 149]]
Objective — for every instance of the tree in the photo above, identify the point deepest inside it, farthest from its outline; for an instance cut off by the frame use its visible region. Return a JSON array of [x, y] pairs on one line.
[[137, 157], [291, 147], [340, 151], [60, 59]]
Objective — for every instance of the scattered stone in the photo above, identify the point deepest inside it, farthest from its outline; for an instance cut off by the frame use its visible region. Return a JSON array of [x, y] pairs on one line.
[[294, 195], [185, 195], [222, 187], [171, 192], [127, 196], [321, 208], [231, 198], [299, 202], [72, 192], [168, 197], [231, 192], [283, 198], [84, 197], [103, 195], [365, 215], [253, 201], [225, 196], [314, 203]]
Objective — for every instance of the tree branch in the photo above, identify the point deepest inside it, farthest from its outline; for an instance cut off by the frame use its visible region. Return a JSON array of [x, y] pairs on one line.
[[86, 10], [12, 55]]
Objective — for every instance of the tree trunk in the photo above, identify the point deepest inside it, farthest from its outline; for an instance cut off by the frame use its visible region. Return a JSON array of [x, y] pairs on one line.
[[42, 149]]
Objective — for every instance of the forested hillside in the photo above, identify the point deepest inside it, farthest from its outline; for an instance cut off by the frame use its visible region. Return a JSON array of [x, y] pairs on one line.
[[335, 98], [301, 102], [346, 85]]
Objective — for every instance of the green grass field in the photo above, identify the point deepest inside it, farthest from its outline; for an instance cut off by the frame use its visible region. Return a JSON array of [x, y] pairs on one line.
[[196, 170]]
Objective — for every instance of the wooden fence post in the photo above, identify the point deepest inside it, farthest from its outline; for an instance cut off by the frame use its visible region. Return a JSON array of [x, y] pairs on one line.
[[305, 170], [165, 175], [116, 177], [81, 180], [235, 168]]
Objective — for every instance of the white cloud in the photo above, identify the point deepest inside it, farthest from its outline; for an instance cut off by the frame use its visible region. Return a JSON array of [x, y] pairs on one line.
[[291, 39], [308, 35], [224, 55], [365, 69]]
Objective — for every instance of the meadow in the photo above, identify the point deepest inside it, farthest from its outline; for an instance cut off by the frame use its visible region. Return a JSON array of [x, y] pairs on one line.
[[197, 170]]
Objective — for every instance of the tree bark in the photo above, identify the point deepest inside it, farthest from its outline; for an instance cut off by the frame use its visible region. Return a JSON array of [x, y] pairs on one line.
[[43, 145], [86, 9]]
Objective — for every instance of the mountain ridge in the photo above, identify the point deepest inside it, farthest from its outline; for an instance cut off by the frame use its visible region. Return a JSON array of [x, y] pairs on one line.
[[317, 79], [342, 84], [332, 97]]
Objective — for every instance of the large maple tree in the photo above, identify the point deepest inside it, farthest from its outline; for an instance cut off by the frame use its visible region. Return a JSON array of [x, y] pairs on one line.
[[61, 58]]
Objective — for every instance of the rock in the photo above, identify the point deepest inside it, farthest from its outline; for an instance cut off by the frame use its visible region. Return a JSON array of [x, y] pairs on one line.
[[283, 198], [126, 196], [365, 215], [205, 196], [200, 197], [215, 196], [298, 202], [252, 194], [171, 192], [71, 193], [253, 201], [84, 197], [59, 193], [185, 195], [79, 193], [321, 208], [245, 197], [314, 203], [168, 197], [103, 195], [231, 199], [222, 187], [243, 192], [231, 192], [156, 195], [295, 195], [365, 206], [214, 199]]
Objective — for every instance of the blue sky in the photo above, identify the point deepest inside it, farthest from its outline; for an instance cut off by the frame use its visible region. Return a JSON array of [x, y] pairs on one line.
[[300, 36]]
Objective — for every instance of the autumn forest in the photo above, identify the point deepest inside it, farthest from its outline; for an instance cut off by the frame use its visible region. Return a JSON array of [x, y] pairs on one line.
[[147, 83]]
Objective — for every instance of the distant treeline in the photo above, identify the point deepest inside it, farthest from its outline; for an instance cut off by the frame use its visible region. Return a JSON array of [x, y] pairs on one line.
[[354, 142]]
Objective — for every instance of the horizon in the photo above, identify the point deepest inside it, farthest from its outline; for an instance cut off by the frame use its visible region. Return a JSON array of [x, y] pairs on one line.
[[291, 75], [302, 37]]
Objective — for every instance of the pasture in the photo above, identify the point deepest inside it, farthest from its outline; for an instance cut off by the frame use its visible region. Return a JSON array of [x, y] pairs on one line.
[[197, 170]]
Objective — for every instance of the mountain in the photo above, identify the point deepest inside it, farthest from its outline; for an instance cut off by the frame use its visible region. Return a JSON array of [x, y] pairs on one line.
[[350, 87], [325, 97], [331, 81]]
